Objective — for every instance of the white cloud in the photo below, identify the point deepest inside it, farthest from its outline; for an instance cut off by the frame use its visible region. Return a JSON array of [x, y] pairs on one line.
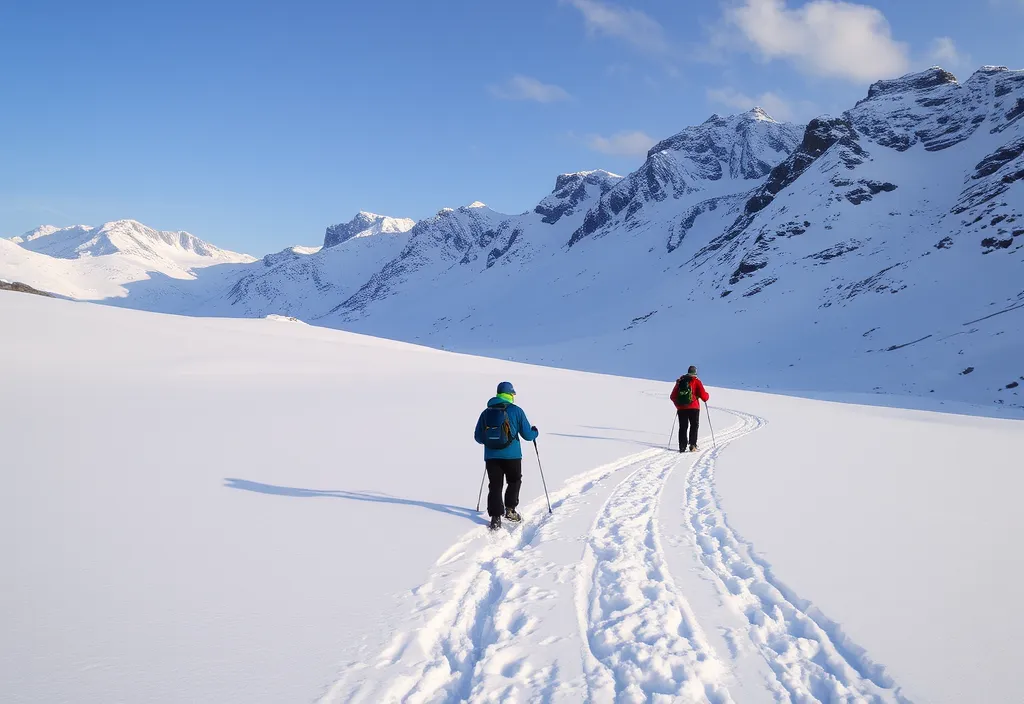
[[622, 144], [628, 24], [944, 52], [525, 88], [824, 37]]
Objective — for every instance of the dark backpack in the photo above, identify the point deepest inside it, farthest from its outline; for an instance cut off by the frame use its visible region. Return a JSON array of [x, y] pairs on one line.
[[684, 396], [497, 428]]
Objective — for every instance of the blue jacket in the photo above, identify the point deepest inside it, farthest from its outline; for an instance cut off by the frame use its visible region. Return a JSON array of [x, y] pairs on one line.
[[520, 428]]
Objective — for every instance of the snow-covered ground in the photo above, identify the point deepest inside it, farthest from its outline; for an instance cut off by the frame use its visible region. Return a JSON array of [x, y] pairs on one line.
[[265, 511]]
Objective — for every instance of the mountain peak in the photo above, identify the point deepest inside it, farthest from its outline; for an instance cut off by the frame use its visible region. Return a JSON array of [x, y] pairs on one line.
[[929, 79], [168, 249], [573, 192], [365, 224], [758, 113], [742, 146], [41, 231], [932, 108], [594, 177]]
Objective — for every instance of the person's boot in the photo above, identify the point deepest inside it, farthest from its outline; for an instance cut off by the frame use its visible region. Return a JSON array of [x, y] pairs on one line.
[[683, 448], [693, 448], [511, 515], [495, 523]]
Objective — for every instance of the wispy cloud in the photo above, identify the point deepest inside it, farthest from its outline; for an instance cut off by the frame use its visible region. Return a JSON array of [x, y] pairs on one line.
[[944, 52], [823, 37], [625, 23], [526, 88], [771, 102], [634, 143]]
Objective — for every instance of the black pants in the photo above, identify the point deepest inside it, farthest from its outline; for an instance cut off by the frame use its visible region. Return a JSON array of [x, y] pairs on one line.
[[498, 471], [691, 417]]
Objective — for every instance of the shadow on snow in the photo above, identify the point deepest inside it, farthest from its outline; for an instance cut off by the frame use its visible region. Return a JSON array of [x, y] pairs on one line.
[[370, 496]]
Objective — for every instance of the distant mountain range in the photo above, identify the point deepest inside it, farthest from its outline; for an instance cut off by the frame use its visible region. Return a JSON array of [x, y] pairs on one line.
[[879, 250]]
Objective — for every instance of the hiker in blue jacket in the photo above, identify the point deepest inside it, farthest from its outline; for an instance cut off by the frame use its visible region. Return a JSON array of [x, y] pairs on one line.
[[498, 429]]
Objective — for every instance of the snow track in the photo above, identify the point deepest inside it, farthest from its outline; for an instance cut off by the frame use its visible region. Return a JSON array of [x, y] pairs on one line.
[[637, 623], [811, 657], [581, 605]]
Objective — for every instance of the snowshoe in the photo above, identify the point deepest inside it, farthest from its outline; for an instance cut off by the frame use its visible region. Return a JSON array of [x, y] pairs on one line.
[[511, 515]]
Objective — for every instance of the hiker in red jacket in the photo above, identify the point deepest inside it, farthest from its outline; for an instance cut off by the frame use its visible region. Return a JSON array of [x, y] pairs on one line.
[[687, 395]]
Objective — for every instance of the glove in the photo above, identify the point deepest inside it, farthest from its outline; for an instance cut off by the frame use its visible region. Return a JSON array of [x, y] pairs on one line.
[[534, 428]]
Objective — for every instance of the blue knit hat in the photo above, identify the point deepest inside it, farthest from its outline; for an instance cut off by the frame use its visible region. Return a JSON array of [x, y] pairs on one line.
[[506, 387]]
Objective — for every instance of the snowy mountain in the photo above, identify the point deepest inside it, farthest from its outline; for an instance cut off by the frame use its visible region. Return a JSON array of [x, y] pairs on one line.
[[366, 225], [127, 237], [700, 168], [308, 282], [97, 262], [884, 240]]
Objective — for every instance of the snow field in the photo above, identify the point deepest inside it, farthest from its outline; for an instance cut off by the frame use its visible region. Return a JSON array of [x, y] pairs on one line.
[[237, 510]]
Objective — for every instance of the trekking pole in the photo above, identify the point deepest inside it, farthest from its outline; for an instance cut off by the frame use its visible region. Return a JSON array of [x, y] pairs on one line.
[[672, 432], [481, 494], [542, 476], [708, 411]]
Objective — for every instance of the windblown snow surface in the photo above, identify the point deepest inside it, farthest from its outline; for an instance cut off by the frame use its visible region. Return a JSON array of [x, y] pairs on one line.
[[208, 510]]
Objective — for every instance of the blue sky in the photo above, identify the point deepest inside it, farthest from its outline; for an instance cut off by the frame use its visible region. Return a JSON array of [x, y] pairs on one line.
[[255, 125]]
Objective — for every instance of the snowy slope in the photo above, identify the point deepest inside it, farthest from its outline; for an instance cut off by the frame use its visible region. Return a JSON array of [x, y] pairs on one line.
[[232, 514]]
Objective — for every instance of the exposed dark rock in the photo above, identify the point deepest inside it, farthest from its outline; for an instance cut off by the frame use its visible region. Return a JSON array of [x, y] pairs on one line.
[[639, 319], [747, 267], [893, 348], [1016, 111], [19, 287], [571, 191], [868, 190], [993, 243], [999, 158], [760, 286], [821, 134], [835, 251], [498, 252], [875, 282]]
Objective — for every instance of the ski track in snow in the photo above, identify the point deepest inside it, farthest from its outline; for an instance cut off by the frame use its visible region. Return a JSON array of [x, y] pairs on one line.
[[809, 654], [493, 622], [637, 623]]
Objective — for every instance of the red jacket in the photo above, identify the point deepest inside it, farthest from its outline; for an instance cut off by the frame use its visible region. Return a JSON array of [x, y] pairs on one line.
[[699, 393]]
